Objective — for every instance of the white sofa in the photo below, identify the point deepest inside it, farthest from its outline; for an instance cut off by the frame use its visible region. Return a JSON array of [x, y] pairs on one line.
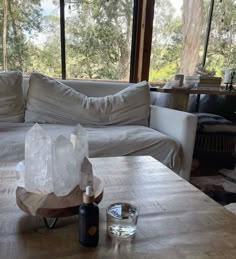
[[169, 137]]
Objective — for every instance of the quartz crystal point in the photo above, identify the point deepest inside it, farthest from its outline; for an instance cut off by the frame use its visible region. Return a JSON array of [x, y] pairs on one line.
[[65, 172], [86, 177], [56, 166], [20, 174], [38, 161], [79, 139]]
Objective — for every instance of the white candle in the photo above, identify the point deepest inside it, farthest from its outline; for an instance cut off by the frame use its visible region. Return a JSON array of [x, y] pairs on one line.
[[228, 75]]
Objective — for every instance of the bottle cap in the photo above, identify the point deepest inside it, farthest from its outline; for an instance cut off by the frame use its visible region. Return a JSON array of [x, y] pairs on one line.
[[88, 195]]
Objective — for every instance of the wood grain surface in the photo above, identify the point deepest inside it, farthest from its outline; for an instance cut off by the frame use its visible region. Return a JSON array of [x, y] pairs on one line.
[[176, 220]]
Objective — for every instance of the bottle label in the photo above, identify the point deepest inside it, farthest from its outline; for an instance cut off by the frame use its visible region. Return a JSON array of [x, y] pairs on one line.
[[92, 230]]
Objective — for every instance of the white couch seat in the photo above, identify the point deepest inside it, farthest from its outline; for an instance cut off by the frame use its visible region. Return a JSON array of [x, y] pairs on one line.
[[103, 141]]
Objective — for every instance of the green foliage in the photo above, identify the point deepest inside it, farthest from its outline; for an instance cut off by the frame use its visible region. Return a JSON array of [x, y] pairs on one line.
[[166, 44], [102, 41], [23, 18], [222, 46], [46, 56], [165, 73]]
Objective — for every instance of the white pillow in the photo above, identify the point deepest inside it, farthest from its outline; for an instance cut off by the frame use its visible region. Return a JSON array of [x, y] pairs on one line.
[[50, 101], [11, 97]]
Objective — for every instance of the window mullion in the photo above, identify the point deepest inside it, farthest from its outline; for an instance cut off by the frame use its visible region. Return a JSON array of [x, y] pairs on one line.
[[63, 49]]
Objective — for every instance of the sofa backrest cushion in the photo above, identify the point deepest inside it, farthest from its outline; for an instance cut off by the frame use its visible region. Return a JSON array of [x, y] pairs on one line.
[[50, 101], [11, 97], [91, 88]]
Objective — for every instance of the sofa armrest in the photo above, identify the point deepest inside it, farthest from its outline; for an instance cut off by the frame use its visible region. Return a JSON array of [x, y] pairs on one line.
[[179, 125]]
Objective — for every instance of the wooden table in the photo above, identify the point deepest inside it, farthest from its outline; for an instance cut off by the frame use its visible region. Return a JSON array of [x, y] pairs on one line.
[[176, 220], [186, 92]]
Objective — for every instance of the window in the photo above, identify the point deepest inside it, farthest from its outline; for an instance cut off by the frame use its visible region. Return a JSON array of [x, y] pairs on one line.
[[179, 30], [221, 52], [30, 36], [46, 53], [98, 35], [98, 39]]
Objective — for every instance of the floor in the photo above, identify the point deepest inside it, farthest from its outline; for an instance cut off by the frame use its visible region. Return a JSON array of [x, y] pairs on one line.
[[218, 183]]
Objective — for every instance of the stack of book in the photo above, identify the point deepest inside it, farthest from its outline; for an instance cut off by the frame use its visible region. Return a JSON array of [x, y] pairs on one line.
[[207, 81]]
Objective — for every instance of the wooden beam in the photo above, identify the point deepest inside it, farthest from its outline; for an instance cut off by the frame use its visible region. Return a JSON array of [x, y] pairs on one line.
[[143, 40], [137, 19]]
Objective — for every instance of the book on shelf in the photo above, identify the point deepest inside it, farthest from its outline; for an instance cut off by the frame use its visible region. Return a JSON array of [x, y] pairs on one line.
[[207, 81]]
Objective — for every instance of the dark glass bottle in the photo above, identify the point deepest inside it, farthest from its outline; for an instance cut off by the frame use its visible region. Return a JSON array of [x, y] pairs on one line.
[[88, 220]]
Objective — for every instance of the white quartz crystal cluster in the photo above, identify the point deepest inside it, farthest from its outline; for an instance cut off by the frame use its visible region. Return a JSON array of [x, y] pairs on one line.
[[56, 165]]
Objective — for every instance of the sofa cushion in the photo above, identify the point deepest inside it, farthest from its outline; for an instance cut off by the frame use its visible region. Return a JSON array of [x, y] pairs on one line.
[[11, 97], [50, 101], [213, 123], [103, 141]]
